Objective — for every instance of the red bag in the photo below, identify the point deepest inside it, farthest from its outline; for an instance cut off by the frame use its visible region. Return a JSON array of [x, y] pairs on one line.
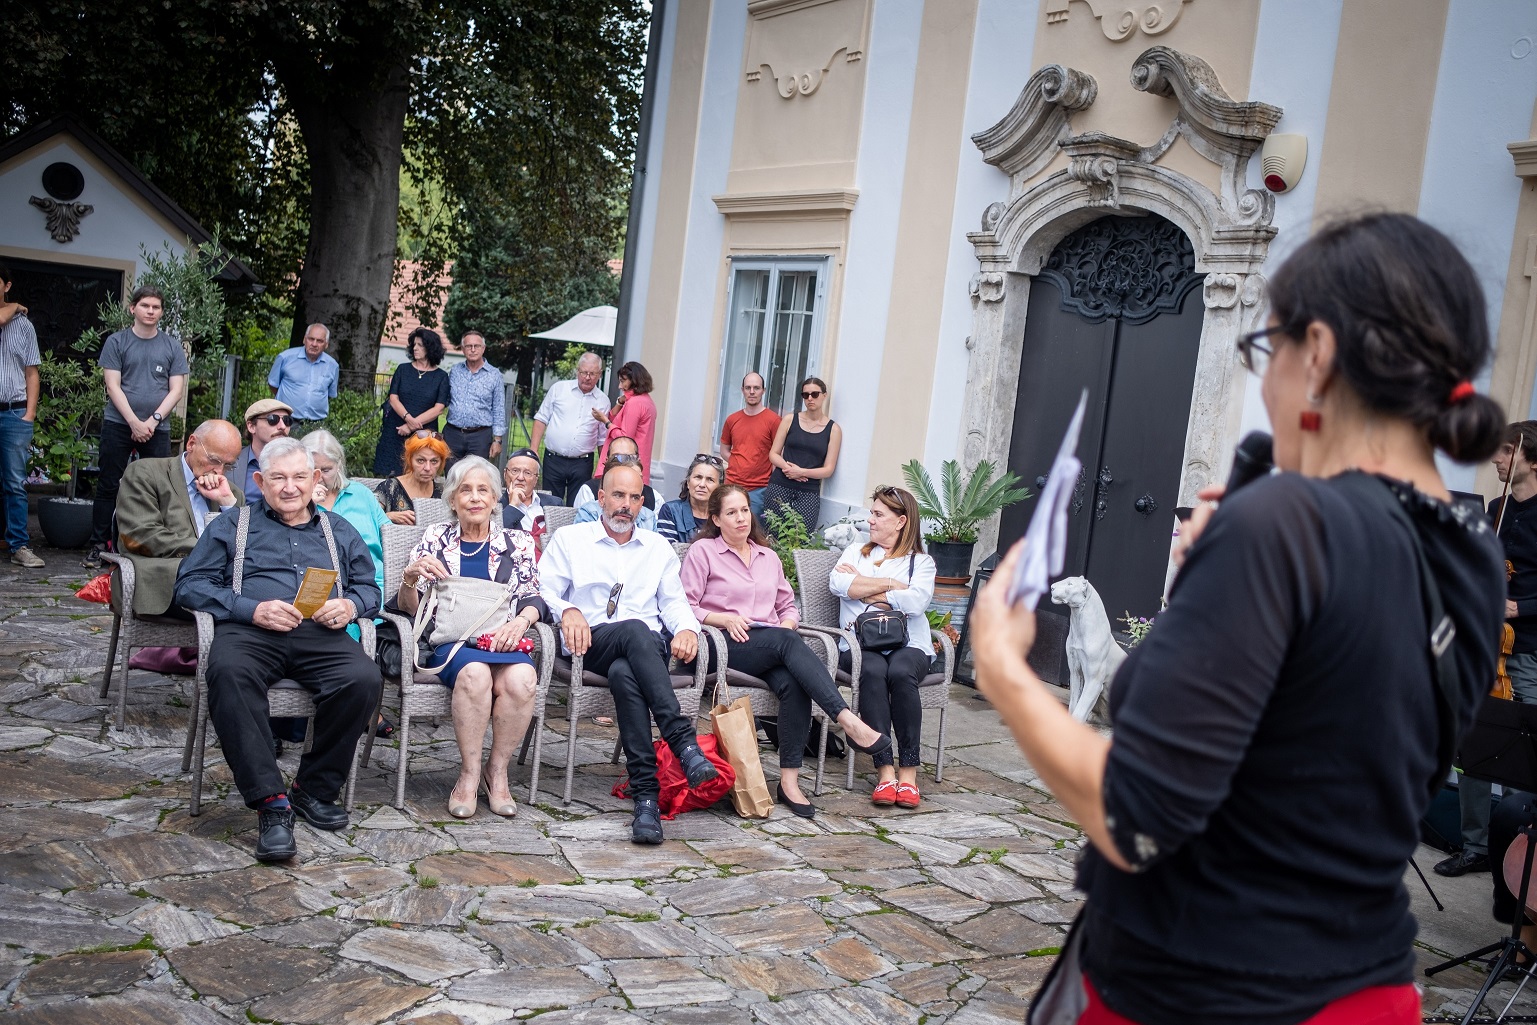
[[676, 797], [99, 589]]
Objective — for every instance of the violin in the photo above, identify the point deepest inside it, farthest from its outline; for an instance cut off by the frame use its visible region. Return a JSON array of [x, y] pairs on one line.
[[1507, 645]]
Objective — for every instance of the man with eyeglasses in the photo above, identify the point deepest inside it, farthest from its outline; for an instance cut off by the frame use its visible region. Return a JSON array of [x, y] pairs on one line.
[[621, 606], [266, 420], [305, 378], [524, 510], [745, 440], [477, 404], [568, 429], [164, 505]]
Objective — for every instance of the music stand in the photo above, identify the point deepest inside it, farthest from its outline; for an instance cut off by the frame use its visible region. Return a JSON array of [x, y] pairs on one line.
[[1501, 747]]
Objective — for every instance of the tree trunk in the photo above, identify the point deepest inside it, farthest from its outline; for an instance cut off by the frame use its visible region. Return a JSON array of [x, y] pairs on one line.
[[353, 138]]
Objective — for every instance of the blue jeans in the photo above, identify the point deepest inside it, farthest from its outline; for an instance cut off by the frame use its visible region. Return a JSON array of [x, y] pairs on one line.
[[15, 450], [755, 500]]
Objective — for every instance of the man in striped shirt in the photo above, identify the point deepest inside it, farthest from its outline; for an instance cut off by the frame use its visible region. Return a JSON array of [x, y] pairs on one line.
[[477, 404], [19, 388]]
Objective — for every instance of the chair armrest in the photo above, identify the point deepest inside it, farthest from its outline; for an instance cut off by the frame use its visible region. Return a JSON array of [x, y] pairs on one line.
[[205, 627], [407, 671], [124, 568], [546, 647], [715, 637], [947, 648], [368, 636]]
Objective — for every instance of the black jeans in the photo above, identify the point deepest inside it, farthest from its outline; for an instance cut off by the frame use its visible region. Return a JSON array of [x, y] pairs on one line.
[[888, 698], [564, 475], [117, 445], [635, 661], [463, 443], [344, 682], [781, 659], [1516, 810]]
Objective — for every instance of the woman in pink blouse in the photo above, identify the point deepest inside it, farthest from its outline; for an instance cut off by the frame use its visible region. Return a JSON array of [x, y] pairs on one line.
[[634, 416], [734, 581]]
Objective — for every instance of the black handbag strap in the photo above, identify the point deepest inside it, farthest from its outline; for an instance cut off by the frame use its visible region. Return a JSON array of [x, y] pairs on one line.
[[912, 558]]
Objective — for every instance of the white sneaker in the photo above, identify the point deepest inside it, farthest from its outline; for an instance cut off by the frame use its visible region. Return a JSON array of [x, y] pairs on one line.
[[24, 556]]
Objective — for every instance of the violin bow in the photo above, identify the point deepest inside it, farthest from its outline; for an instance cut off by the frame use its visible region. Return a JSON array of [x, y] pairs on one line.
[[1505, 498]]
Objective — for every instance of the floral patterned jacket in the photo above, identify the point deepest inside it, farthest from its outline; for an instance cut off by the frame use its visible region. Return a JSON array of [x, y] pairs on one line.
[[442, 541]]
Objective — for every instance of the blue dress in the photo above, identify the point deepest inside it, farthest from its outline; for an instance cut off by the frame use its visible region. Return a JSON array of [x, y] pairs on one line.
[[476, 565]]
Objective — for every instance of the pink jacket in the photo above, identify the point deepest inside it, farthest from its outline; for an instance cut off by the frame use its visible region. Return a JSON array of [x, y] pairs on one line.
[[635, 419]]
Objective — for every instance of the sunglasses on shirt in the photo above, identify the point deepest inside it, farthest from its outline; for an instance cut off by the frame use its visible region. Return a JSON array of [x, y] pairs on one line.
[[613, 600]]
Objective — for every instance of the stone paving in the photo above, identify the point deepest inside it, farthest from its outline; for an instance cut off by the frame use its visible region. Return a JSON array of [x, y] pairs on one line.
[[117, 906]]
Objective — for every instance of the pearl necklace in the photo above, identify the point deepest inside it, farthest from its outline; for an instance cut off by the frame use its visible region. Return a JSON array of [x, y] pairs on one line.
[[479, 548]]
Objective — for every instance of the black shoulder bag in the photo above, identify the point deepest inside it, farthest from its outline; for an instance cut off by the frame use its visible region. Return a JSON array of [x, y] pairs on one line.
[[883, 630]]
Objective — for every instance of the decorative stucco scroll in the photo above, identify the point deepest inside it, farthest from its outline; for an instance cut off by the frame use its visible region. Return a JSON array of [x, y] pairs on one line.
[[63, 219], [1023, 143], [804, 83], [1120, 21]]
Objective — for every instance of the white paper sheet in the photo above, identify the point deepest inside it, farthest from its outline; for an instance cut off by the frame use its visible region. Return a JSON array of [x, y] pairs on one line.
[[1046, 537]]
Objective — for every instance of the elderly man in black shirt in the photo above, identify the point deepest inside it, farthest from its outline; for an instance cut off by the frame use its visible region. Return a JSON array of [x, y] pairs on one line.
[[262, 638]]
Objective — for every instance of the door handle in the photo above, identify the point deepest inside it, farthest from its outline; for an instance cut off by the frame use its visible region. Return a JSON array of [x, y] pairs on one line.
[[1146, 505], [1102, 499]]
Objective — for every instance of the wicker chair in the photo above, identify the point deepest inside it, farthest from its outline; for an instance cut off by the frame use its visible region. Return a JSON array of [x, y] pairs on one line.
[[369, 482], [130, 631], [557, 516], [820, 609], [424, 696], [430, 511], [284, 699]]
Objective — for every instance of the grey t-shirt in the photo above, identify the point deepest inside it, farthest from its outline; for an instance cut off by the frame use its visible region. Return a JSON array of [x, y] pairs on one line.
[[147, 366]]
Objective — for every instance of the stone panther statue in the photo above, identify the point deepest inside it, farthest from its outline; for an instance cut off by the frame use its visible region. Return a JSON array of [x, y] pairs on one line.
[[1093, 656]]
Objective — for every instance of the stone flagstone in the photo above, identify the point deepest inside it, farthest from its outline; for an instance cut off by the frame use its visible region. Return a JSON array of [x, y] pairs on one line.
[[419, 956], [134, 1008], [908, 938], [61, 865], [925, 985], [850, 851], [666, 984], [954, 824], [243, 968], [87, 974], [20, 829], [396, 846], [626, 861], [852, 960], [438, 906], [784, 929], [32, 778], [1006, 931], [352, 998], [935, 903], [992, 883], [172, 927], [772, 976], [529, 988], [256, 896], [933, 850], [713, 896], [388, 818], [479, 868], [855, 1005], [748, 854], [520, 945], [1041, 866], [625, 939], [155, 855], [48, 927]]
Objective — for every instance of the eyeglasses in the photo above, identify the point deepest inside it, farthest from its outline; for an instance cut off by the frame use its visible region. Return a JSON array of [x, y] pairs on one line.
[[623, 458], [1255, 357], [273, 419], [715, 461], [811, 395], [886, 491], [521, 474], [424, 433], [613, 600]]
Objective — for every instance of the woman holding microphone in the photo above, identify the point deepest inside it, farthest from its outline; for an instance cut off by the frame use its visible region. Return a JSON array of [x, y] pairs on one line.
[[1279, 733]]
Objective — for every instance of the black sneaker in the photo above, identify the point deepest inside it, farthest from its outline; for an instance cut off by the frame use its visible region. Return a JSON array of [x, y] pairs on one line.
[[275, 835], [697, 769], [646, 828], [92, 558], [320, 814], [1463, 863]]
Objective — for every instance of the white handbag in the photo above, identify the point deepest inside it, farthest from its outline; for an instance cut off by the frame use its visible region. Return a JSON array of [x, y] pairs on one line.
[[457, 610]]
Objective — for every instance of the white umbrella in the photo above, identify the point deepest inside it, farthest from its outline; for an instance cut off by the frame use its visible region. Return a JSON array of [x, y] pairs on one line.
[[590, 327]]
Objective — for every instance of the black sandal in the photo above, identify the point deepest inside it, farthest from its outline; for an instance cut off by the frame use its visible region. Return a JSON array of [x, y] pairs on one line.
[[384, 728]]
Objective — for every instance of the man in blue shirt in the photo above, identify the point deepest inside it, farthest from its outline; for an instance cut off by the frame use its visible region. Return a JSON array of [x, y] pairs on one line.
[[261, 637], [477, 404], [304, 379]]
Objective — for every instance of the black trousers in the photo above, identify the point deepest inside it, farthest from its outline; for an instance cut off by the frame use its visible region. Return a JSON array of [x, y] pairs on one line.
[[117, 447], [564, 475], [1516, 810], [344, 682], [467, 443], [888, 697], [781, 659], [635, 661]]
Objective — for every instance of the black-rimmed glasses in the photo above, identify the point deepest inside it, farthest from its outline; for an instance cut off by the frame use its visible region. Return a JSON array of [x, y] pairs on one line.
[[613, 600], [1255, 357]]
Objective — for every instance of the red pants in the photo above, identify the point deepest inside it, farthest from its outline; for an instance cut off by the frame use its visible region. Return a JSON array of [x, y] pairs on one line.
[[1379, 1005]]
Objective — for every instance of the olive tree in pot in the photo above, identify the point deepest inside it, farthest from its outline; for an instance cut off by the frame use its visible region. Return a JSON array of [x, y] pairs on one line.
[[961, 503]]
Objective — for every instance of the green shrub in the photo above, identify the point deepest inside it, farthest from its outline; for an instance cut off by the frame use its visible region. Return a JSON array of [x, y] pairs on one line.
[[788, 532]]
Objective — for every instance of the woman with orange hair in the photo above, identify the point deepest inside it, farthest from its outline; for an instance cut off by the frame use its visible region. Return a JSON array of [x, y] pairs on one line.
[[426, 452]]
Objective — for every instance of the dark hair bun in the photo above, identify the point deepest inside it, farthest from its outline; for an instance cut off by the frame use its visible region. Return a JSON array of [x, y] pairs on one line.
[[1469, 431]]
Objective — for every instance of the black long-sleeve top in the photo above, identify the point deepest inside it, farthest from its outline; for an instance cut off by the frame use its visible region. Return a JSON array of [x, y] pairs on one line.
[[1518, 536], [275, 560], [1275, 743]]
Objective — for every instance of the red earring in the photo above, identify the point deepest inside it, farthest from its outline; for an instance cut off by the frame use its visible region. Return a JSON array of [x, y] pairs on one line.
[[1310, 420]]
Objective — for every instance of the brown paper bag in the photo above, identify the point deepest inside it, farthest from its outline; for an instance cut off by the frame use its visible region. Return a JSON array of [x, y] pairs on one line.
[[736, 735]]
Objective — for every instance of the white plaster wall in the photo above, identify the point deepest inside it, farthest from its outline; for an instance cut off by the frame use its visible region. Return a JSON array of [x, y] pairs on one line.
[[1484, 96], [689, 397], [114, 230], [1293, 69], [893, 65], [1005, 29]]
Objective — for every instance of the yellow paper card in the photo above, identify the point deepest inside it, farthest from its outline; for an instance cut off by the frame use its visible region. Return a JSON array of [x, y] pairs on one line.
[[314, 590]]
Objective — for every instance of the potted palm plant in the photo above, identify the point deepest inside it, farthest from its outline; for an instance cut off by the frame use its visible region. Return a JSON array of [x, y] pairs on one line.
[[961, 503]]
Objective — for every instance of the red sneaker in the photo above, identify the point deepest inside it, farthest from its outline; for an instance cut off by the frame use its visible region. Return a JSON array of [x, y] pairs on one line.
[[907, 795], [885, 793]]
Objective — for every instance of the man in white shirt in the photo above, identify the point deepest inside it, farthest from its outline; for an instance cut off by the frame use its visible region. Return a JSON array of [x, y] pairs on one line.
[[618, 595], [570, 433]]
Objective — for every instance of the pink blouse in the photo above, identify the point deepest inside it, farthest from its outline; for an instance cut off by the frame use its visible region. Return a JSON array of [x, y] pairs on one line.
[[716, 580], [635, 419]]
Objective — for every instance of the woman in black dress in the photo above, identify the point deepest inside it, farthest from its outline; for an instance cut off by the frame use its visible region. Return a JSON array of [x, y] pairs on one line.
[[1279, 733], [804, 454], [418, 396]]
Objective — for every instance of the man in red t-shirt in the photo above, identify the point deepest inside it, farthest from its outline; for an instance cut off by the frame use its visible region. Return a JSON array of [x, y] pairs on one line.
[[745, 441]]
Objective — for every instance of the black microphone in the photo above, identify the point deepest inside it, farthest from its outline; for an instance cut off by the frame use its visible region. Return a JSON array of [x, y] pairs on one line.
[[1251, 461]]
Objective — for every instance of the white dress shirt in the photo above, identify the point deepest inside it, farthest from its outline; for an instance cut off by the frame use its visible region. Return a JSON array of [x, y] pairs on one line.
[[581, 565], [912, 599], [566, 413]]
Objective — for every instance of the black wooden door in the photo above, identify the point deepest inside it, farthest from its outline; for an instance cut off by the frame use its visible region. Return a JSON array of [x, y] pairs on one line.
[[62, 299], [1114, 310]]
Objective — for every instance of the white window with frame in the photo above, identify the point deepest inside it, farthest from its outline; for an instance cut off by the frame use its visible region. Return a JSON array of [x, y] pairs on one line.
[[776, 307]]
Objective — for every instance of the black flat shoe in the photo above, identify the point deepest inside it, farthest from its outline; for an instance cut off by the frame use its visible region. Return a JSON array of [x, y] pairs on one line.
[[805, 811], [275, 835], [384, 728], [881, 746], [320, 814], [646, 827], [697, 769], [1463, 863]]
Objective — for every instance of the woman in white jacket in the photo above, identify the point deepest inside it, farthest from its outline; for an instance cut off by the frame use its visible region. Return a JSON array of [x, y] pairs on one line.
[[890, 571]]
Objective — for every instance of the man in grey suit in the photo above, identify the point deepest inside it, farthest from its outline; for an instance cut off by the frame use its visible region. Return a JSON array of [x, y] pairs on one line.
[[164, 505]]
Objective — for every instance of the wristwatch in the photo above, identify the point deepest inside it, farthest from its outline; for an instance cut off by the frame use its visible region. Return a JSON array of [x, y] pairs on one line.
[[156, 417]]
